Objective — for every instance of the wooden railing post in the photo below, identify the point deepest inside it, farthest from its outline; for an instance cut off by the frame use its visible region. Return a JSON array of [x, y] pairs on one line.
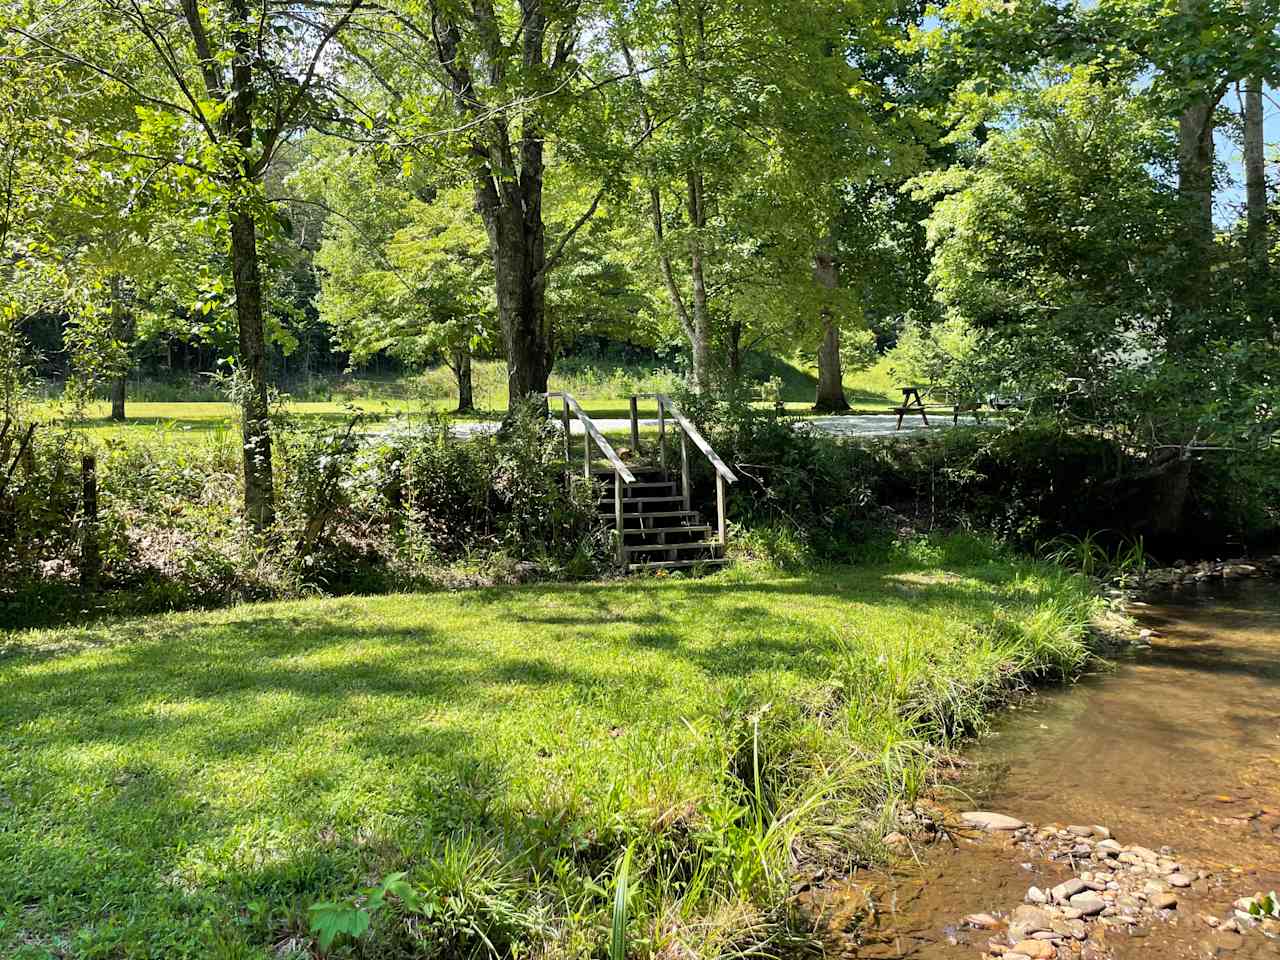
[[618, 518], [635, 425], [586, 452], [720, 517], [684, 468], [662, 435], [564, 422]]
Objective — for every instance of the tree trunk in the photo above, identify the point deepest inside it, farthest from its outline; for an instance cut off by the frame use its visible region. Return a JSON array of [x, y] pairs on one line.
[[700, 341], [122, 335], [517, 250], [1255, 175], [119, 385], [735, 354], [259, 495], [1195, 186], [830, 396], [1168, 502], [462, 371]]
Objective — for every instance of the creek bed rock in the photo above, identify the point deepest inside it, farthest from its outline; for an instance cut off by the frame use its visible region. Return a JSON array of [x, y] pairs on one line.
[[1115, 887]]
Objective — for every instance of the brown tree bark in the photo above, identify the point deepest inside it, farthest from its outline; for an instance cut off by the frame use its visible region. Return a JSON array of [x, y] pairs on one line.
[[700, 325], [1255, 175], [830, 396], [259, 492], [509, 171], [255, 422], [121, 333], [462, 372], [1195, 187], [734, 347]]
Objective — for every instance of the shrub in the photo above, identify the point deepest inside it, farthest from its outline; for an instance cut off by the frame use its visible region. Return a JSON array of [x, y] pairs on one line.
[[446, 496], [820, 492]]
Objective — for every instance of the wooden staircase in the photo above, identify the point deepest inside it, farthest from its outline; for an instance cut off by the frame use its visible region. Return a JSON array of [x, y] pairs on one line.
[[656, 527], [660, 531]]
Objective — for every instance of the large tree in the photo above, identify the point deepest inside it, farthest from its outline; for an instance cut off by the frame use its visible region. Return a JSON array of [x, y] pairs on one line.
[[217, 87]]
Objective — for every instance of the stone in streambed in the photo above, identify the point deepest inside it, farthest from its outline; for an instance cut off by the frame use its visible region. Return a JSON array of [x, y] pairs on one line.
[[1027, 920], [1164, 901], [1143, 853], [981, 921], [1179, 880], [1036, 895], [991, 821], [1088, 903], [1035, 949], [1064, 891]]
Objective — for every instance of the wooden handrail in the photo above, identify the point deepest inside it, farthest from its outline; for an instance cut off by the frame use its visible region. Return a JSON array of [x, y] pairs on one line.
[[689, 432], [594, 433], [698, 440]]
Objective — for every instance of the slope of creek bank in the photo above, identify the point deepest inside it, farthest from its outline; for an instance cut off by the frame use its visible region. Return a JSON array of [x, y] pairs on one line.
[[1136, 810]]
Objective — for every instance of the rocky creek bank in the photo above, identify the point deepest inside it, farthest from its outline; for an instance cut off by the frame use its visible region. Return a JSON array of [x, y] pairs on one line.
[[1182, 574], [1174, 747], [1111, 890]]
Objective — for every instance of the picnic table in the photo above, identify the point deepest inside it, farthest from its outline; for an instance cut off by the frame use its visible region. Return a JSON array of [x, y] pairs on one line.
[[913, 402]]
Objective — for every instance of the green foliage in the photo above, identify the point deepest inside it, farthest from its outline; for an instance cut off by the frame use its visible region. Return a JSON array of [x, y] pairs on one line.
[[506, 492], [1265, 906], [40, 505], [1091, 556], [621, 901], [812, 497]]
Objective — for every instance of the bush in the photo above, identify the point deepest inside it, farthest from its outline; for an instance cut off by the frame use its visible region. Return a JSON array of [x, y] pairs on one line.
[[821, 493], [40, 491], [446, 497]]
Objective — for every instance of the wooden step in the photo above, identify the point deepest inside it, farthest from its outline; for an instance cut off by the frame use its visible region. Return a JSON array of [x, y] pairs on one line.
[[636, 505], [662, 547], [689, 528], [678, 564], [637, 471], [655, 515], [671, 516], [632, 493]]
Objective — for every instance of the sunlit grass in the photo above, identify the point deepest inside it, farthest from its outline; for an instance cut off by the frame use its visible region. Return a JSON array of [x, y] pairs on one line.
[[188, 785], [869, 391]]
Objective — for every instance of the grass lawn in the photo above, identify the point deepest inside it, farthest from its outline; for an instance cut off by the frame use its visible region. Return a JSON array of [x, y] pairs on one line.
[[189, 785], [602, 393]]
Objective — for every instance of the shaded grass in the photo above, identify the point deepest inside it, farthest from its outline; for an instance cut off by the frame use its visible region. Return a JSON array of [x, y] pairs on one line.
[[188, 785]]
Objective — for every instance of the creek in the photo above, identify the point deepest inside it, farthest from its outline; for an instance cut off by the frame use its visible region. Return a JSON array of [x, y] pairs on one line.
[[1175, 748]]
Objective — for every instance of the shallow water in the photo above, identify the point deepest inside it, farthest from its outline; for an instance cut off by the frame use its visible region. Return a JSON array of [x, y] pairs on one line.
[[1178, 747]]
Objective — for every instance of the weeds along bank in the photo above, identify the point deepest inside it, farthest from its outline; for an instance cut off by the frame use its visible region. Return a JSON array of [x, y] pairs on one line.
[[1031, 485], [428, 509], [236, 783], [408, 512]]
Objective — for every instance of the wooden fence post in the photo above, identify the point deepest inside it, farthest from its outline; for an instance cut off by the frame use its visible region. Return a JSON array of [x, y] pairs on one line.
[[662, 435], [684, 469], [635, 426], [618, 518], [90, 555]]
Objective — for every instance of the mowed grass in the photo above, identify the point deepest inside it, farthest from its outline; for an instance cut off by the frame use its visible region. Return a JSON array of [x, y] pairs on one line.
[[602, 394], [189, 785]]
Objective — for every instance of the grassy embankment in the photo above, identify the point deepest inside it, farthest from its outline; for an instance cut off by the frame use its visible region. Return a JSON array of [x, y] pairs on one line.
[[603, 392], [190, 785]]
